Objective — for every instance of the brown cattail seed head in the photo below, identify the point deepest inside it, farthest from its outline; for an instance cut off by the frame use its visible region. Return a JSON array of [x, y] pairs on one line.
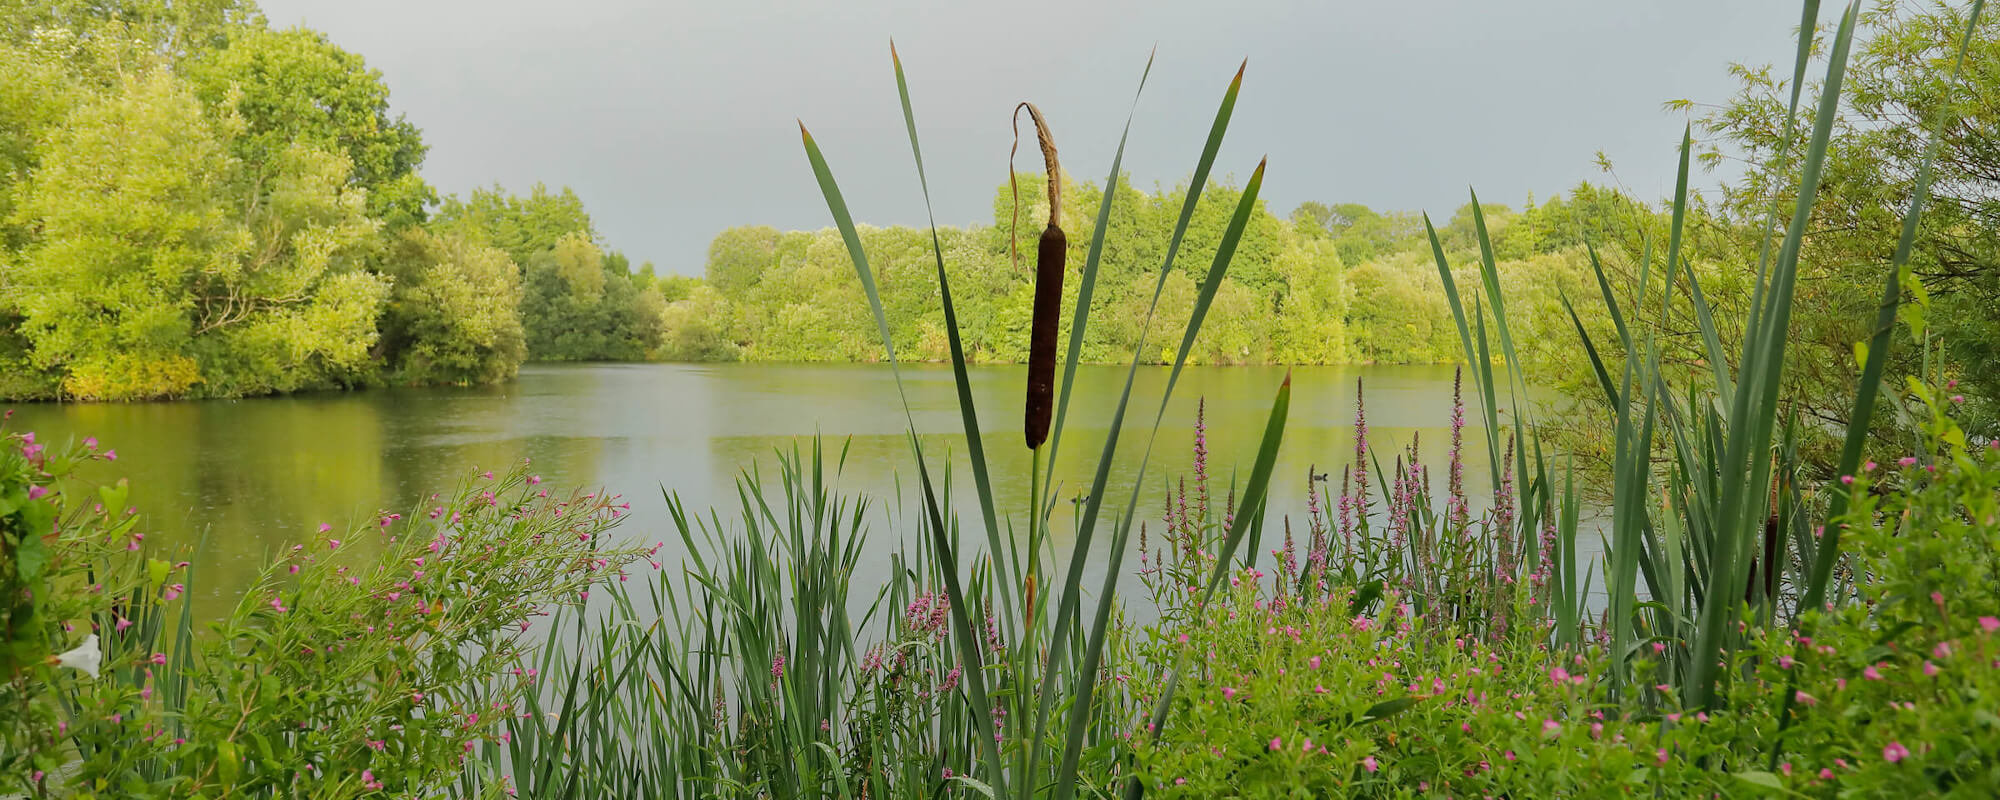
[[1050, 260], [1049, 266]]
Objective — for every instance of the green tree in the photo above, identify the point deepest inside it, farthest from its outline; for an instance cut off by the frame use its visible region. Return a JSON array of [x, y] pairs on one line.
[[296, 87], [523, 227], [739, 257], [696, 328], [155, 270], [455, 313], [580, 263], [1895, 96]]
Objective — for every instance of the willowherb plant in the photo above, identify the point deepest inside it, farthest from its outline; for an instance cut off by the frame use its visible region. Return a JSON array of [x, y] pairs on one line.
[[365, 661]]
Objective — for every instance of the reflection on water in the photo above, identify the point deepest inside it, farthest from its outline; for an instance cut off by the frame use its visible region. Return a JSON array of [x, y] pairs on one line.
[[244, 478]]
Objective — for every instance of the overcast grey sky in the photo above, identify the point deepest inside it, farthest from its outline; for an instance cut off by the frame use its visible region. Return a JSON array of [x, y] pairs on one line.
[[674, 120]]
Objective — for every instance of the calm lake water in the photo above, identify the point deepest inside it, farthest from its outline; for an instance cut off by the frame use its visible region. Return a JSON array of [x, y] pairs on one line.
[[249, 477]]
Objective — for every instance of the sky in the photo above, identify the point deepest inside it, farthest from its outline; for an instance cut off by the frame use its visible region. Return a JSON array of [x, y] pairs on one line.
[[674, 120]]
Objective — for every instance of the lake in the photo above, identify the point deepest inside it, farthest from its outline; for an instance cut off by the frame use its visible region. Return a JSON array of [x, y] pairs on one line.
[[247, 477]]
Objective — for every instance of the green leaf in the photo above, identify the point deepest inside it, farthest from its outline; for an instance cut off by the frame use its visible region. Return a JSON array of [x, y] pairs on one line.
[[967, 639], [1387, 709], [31, 557], [975, 446], [1761, 778], [228, 766], [976, 785], [114, 496]]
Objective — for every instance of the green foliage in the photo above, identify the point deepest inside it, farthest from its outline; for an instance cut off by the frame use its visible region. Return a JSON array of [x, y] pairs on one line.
[[578, 303], [295, 87], [454, 316], [61, 562], [523, 227], [1375, 698], [1898, 92], [364, 661], [160, 266], [195, 205], [1334, 285], [696, 328]]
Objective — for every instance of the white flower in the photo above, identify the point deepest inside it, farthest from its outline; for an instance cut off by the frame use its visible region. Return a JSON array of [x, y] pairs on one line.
[[85, 657]]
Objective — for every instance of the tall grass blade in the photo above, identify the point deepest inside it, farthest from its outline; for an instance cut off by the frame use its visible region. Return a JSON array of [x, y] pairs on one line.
[[1826, 550], [947, 565], [975, 447], [1087, 673], [1085, 289], [1753, 410], [1087, 521]]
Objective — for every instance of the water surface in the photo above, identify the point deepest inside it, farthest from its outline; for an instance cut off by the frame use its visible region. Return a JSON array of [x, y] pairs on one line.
[[245, 478]]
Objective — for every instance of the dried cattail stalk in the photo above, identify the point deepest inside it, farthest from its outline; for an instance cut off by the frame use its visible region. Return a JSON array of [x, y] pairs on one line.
[[1049, 266]]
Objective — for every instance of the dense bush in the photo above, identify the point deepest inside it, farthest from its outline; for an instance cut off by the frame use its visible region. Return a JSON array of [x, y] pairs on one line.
[[1367, 691], [363, 661]]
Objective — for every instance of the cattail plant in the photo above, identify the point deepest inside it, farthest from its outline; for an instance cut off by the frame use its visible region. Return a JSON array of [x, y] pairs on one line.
[[1015, 742], [1049, 261]]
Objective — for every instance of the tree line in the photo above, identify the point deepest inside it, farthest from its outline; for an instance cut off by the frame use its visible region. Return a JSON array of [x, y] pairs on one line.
[[193, 204], [1327, 284]]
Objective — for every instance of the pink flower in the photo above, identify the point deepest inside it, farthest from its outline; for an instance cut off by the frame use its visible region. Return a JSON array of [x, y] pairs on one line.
[[323, 527], [1276, 744], [1660, 757], [1228, 693], [277, 605], [1369, 763], [1895, 752], [1930, 670], [1806, 699], [90, 443], [123, 623], [1550, 727], [111, 455], [1989, 624], [37, 492]]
